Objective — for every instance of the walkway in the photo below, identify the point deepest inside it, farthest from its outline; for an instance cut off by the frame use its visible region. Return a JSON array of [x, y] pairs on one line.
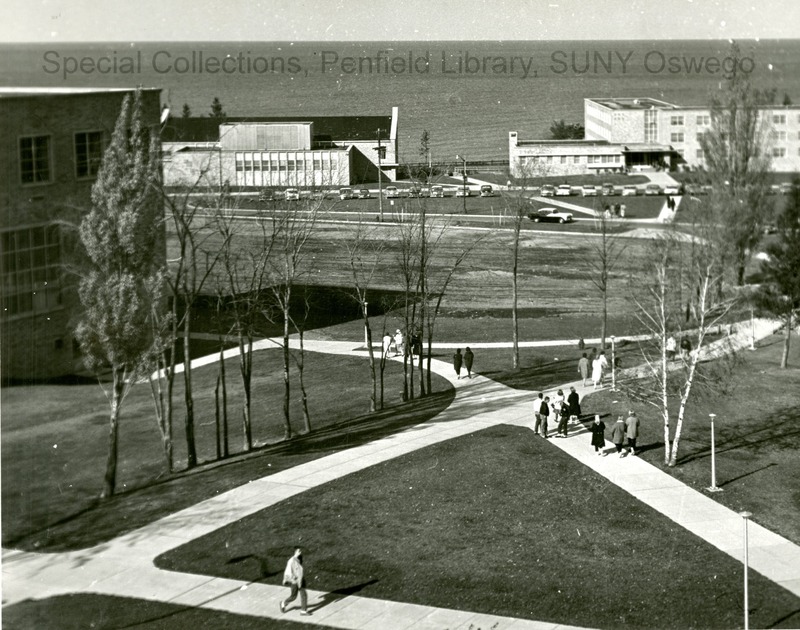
[[124, 566]]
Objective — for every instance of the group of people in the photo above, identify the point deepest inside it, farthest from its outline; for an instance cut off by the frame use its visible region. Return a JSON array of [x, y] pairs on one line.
[[617, 210], [599, 367], [561, 409], [465, 360], [395, 345], [622, 430]]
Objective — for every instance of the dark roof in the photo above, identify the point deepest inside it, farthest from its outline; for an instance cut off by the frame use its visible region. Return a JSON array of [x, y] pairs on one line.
[[334, 128]]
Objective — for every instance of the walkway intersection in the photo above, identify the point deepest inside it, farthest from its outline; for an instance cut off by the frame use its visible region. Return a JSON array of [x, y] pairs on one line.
[[125, 566]]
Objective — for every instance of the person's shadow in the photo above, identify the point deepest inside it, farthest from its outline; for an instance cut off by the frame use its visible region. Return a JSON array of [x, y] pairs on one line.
[[340, 593]]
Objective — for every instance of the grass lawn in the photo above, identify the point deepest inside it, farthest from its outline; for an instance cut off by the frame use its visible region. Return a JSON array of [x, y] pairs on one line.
[[757, 438], [533, 534], [54, 452]]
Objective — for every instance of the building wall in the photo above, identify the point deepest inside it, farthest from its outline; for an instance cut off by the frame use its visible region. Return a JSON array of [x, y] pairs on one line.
[[266, 136], [534, 159], [40, 306]]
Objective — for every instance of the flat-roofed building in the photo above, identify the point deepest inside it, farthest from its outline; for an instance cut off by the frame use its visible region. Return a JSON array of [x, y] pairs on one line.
[[541, 158], [53, 142]]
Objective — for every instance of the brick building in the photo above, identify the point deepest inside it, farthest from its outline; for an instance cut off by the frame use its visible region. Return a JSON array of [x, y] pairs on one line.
[[52, 142]]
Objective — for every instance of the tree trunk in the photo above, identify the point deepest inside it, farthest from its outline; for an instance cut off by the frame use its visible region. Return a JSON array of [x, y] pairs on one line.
[[287, 427], [787, 337], [373, 399], [515, 297], [246, 369], [604, 323], [191, 452], [217, 418], [303, 393], [118, 388], [225, 449]]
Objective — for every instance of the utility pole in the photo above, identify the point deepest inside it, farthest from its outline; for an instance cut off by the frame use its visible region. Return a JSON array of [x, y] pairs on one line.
[[464, 191], [380, 171]]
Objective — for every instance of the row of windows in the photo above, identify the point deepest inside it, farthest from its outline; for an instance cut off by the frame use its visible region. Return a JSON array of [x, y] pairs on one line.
[[30, 267], [573, 159], [705, 120], [777, 152], [36, 156], [281, 162]]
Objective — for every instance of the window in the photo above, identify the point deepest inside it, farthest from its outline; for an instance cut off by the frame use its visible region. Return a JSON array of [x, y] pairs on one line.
[[779, 152], [34, 159], [676, 137], [780, 136], [779, 119], [29, 266], [703, 120], [650, 126], [563, 159], [676, 121], [88, 153], [576, 159]]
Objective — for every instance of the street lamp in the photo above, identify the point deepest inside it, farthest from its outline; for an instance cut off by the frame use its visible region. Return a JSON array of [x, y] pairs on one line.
[[613, 365], [714, 487], [745, 517], [380, 171], [464, 174]]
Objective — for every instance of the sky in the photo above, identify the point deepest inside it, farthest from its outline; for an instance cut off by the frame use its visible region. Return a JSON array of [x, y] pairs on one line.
[[380, 20]]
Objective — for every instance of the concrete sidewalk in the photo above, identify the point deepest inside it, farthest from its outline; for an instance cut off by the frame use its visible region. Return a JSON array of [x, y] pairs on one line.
[[124, 566]]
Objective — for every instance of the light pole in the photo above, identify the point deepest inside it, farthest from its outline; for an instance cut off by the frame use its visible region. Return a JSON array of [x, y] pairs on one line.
[[380, 171], [464, 174], [613, 365], [714, 487], [745, 517]]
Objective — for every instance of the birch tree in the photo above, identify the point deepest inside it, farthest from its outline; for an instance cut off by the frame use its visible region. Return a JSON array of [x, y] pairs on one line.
[[123, 238]]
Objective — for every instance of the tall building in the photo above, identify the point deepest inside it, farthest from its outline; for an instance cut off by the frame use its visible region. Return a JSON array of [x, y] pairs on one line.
[[52, 145]]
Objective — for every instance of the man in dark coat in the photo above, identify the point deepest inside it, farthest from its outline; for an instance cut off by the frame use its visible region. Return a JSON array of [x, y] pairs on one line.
[[468, 358], [544, 411], [573, 400], [598, 429], [457, 360]]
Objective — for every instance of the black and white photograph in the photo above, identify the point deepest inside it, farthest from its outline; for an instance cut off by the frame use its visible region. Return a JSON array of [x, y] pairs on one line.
[[433, 315]]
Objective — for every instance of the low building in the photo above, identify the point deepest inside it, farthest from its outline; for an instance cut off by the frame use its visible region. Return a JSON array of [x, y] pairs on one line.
[[279, 151], [53, 142], [540, 158]]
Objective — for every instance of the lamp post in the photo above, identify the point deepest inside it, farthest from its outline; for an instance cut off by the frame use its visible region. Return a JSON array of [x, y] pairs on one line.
[[366, 336], [464, 174], [713, 487], [745, 517], [380, 171], [613, 365]]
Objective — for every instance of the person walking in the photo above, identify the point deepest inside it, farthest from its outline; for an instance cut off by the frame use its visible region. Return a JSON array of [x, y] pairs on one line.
[[399, 342], [468, 358], [573, 401], [598, 429], [597, 372], [458, 359], [294, 578], [618, 435], [563, 422], [632, 431], [603, 365], [583, 368], [671, 347], [537, 412], [544, 411]]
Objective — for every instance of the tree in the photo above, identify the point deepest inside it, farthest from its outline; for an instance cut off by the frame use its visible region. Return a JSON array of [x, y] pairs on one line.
[[606, 251], [736, 150], [186, 112], [425, 152], [561, 130], [216, 110], [780, 292], [123, 238]]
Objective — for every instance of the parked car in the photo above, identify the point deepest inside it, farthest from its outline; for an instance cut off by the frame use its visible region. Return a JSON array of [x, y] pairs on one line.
[[548, 191], [487, 191], [564, 190], [292, 194], [608, 190], [673, 189], [363, 193], [652, 189], [391, 192], [786, 188], [550, 215], [589, 190], [693, 189], [630, 191], [463, 191], [266, 195], [346, 193], [437, 191]]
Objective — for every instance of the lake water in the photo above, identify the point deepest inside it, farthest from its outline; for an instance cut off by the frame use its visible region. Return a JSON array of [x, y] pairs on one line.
[[468, 95]]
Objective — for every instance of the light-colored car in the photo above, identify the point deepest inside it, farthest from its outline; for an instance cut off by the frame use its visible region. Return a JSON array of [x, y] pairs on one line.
[[346, 193], [608, 190], [786, 188], [548, 191], [589, 190], [463, 191], [292, 194], [391, 192], [673, 189], [550, 215], [487, 191], [630, 191], [437, 192], [652, 189], [564, 190]]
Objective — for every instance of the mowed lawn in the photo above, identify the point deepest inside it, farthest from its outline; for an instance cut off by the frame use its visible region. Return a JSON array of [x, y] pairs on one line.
[[54, 451], [495, 522]]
